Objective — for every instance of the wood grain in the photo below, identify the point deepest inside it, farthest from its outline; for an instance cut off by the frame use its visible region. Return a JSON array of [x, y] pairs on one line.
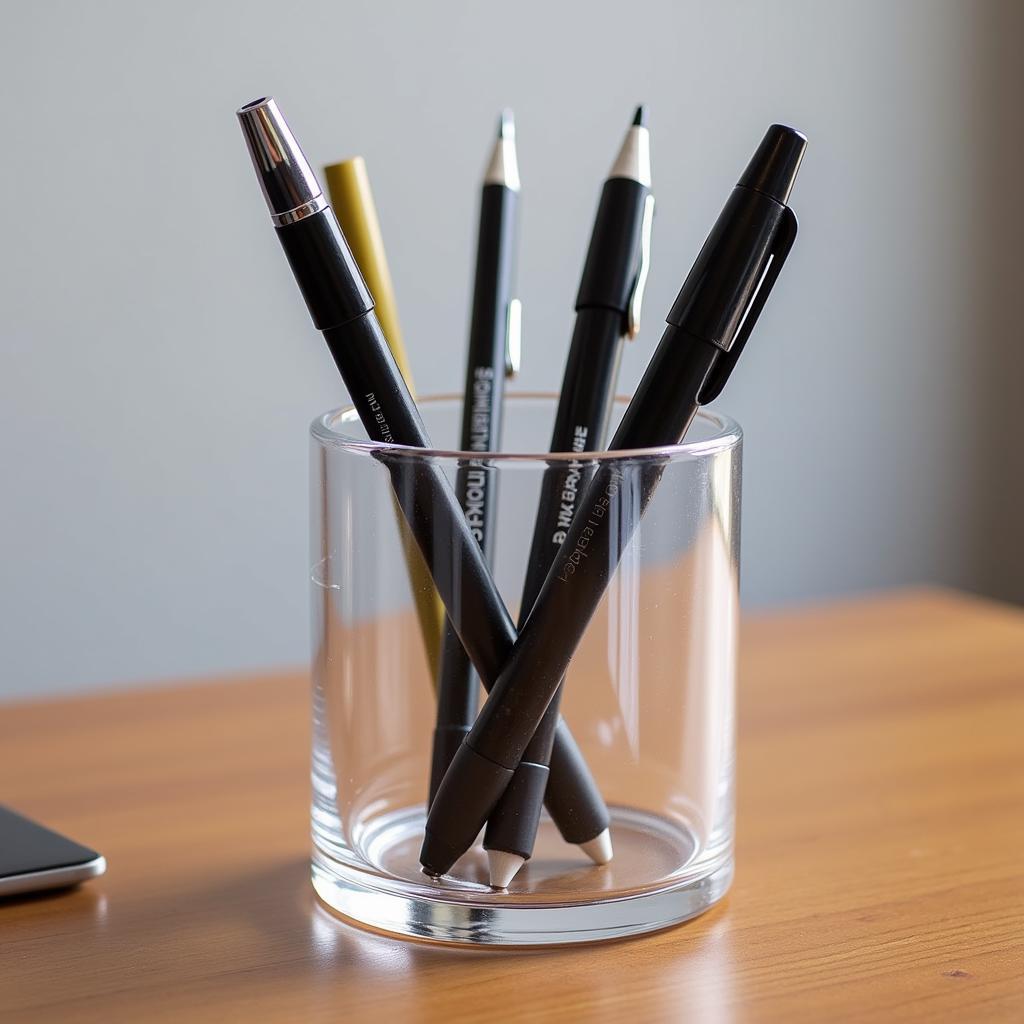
[[880, 860]]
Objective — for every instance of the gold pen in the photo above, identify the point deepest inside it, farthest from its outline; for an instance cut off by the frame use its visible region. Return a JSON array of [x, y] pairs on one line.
[[348, 186]]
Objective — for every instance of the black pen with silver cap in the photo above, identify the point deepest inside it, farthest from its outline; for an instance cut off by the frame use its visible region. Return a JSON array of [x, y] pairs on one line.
[[608, 306], [342, 309]]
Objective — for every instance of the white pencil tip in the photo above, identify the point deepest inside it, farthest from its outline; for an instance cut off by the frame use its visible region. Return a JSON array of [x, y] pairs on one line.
[[504, 867], [634, 159], [506, 125], [503, 168], [599, 849]]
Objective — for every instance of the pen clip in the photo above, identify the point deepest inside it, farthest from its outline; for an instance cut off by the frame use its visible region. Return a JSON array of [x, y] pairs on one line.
[[636, 297], [726, 362], [513, 337]]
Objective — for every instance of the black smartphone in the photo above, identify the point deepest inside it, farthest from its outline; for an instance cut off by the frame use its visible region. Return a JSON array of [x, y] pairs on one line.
[[34, 858]]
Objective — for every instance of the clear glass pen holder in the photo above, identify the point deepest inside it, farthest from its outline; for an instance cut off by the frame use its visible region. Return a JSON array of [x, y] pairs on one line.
[[649, 695]]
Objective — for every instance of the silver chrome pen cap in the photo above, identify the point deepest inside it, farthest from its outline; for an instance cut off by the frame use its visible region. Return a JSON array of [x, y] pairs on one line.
[[288, 182]]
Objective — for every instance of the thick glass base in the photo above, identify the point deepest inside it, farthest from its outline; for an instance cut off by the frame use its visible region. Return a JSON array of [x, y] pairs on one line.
[[658, 877]]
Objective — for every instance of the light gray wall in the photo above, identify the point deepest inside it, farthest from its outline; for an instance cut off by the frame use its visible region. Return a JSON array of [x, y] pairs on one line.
[[159, 370]]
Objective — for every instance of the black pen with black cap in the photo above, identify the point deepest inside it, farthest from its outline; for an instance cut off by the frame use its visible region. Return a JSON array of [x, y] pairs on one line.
[[607, 311], [708, 326], [342, 310]]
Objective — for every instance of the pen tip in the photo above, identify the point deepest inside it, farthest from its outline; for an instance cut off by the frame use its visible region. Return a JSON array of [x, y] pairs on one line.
[[634, 157], [599, 849], [503, 169], [503, 867]]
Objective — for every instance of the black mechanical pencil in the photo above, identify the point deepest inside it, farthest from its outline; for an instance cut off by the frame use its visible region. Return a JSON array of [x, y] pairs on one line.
[[607, 311], [342, 310], [708, 326], [493, 355]]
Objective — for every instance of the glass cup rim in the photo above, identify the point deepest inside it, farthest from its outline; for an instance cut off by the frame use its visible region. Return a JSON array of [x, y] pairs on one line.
[[726, 434]]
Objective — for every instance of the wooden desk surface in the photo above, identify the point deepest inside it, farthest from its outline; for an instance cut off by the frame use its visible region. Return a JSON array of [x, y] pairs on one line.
[[880, 862]]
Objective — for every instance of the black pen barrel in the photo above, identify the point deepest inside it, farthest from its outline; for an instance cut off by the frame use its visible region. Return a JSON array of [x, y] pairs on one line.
[[580, 426], [492, 284], [476, 482], [608, 279]]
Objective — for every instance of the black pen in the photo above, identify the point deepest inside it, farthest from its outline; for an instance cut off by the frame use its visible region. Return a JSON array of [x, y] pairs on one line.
[[342, 310], [708, 325], [607, 311], [493, 354]]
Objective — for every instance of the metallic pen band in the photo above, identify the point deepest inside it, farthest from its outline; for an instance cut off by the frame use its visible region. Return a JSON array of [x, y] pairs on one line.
[[315, 205]]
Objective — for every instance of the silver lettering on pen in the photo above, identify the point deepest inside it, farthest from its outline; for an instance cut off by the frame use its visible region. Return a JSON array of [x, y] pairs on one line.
[[596, 517], [570, 489], [385, 431], [474, 498]]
